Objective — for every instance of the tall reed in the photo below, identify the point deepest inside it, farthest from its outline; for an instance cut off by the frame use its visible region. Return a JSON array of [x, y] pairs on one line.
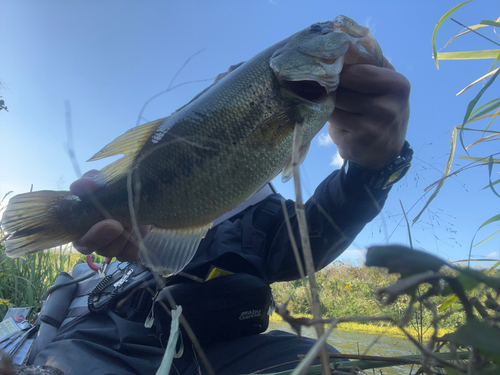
[[23, 281]]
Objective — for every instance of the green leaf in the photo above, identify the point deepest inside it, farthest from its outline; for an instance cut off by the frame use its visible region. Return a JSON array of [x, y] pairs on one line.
[[490, 170], [403, 260], [493, 183], [494, 371], [408, 285], [452, 299], [494, 63], [478, 335], [468, 283], [438, 25], [473, 103], [481, 277], [481, 130], [494, 105], [491, 121], [484, 160], [445, 175], [452, 371], [487, 238], [469, 55], [490, 23], [490, 220]]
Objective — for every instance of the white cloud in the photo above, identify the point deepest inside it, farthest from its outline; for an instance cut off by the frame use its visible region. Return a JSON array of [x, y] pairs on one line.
[[494, 255], [337, 160], [324, 139]]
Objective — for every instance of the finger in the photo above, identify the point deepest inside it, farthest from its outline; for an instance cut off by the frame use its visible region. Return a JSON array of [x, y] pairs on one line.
[[388, 123], [366, 142], [370, 79], [85, 185], [383, 108], [100, 235], [130, 252], [346, 128], [388, 65], [115, 247], [90, 173]]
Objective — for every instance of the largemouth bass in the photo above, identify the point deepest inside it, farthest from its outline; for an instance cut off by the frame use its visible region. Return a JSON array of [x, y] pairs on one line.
[[183, 171]]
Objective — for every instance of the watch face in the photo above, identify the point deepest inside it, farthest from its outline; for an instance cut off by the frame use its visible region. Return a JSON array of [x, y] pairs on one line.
[[396, 176]]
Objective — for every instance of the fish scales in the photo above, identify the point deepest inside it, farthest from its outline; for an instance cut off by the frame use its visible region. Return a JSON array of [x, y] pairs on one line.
[[207, 157]]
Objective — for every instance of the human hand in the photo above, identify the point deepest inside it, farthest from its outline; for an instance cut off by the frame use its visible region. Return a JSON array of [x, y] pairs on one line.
[[108, 237], [371, 116]]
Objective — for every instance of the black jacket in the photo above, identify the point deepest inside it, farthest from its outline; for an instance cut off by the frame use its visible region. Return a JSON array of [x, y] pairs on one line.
[[256, 241], [336, 213]]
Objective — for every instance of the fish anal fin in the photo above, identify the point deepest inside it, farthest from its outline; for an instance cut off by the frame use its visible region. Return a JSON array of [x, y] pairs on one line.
[[168, 251]]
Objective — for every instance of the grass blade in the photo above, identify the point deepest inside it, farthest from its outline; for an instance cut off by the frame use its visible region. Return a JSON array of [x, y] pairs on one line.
[[478, 80], [474, 31], [485, 111], [490, 23], [486, 239], [490, 171], [479, 159], [494, 62], [313, 353], [445, 174], [494, 183], [473, 103], [468, 55], [489, 138], [490, 220], [453, 298], [168, 357], [470, 29], [438, 25], [481, 130], [491, 121]]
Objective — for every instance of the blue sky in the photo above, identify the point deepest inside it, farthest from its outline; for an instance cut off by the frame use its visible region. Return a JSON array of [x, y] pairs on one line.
[[107, 58]]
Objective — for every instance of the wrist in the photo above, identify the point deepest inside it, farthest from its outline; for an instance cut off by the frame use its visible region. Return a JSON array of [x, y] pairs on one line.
[[380, 179]]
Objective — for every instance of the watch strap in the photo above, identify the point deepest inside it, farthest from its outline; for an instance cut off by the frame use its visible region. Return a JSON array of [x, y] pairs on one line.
[[384, 178]]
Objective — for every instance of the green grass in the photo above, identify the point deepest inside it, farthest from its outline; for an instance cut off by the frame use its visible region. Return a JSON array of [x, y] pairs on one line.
[[347, 290], [23, 281]]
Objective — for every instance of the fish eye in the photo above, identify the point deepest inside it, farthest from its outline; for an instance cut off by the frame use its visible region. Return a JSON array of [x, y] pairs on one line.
[[315, 27]]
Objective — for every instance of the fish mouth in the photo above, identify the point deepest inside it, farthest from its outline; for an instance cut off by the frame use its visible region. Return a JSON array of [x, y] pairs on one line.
[[312, 91]]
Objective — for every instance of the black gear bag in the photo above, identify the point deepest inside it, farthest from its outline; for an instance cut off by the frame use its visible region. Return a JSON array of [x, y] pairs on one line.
[[220, 309]]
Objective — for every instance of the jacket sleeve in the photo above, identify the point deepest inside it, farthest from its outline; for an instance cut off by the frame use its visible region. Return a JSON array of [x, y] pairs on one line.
[[336, 213]]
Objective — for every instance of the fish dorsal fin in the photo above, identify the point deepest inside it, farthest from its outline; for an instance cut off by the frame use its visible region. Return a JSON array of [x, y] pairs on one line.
[[129, 144], [287, 172]]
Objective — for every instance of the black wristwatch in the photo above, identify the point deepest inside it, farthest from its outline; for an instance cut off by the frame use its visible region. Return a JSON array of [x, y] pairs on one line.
[[383, 178]]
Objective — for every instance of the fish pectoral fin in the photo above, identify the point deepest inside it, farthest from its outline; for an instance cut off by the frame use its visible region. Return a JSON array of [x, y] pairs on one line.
[[168, 251], [287, 172], [129, 144]]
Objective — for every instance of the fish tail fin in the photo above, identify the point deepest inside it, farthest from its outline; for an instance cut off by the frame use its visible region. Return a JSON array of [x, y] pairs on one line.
[[33, 224], [168, 251]]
